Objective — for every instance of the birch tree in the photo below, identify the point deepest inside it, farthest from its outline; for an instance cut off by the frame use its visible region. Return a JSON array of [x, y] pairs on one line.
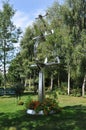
[[9, 34]]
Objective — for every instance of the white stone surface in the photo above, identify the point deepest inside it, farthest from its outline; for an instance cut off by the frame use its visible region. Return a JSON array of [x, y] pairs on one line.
[[41, 112], [31, 112]]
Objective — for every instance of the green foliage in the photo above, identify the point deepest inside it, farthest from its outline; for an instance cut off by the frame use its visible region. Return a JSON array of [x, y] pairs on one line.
[[63, 89], [15, 71], [76, 92], [1, 79], [9, 34], [68, 42], [19, 89], [20, 102]]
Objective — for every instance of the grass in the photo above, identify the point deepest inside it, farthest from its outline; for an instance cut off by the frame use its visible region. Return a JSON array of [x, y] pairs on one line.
[[9, 105], [72, 117], [71, 101]]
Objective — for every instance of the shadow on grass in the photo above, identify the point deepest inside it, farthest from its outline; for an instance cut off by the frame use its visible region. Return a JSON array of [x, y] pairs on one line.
[[71, 118]]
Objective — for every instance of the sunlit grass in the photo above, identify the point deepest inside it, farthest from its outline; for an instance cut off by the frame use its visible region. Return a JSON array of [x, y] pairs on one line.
[[10, 104], [65, 100]]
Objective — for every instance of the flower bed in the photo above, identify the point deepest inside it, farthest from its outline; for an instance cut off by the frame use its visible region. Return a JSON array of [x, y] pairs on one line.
[[48, 106]]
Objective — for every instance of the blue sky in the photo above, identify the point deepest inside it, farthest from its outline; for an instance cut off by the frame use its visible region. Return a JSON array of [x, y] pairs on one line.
[[28, 10]]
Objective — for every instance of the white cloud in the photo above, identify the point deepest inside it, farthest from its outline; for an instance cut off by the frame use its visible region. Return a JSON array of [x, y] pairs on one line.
[[39, 11], [22, 20]]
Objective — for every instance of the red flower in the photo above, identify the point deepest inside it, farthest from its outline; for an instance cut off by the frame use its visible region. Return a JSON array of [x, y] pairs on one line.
[[34, 104]]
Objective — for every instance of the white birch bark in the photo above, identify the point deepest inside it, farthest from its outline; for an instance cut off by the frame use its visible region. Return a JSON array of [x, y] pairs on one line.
[[69, 80], [83, 86]]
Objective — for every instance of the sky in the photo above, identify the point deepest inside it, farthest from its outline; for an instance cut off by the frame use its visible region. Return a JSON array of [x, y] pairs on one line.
[[28, 10]]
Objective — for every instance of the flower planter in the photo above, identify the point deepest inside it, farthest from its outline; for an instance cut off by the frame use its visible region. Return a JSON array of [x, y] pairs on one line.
[[33, 112], [48, 106]]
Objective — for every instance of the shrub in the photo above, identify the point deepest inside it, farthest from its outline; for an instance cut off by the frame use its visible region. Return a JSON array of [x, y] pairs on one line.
[[20, 103]]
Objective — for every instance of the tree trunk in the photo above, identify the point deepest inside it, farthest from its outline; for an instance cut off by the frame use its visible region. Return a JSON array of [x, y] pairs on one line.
[[59, 81], [30, 81], [83, 86], [51, 86], [69, 80], [4, 64]]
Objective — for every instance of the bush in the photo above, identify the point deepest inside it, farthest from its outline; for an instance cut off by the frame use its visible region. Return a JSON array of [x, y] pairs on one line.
[[63, 89], [19, 89], [76, 92], [20, 103]]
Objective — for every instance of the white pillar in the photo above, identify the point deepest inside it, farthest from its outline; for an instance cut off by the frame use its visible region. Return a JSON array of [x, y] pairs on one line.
[[41, 89]]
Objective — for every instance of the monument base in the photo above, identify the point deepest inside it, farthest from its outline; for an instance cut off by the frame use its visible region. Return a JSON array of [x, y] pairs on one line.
[[33, 112]]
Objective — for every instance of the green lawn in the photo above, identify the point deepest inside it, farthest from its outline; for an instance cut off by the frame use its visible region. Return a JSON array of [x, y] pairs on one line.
[[72, 117]]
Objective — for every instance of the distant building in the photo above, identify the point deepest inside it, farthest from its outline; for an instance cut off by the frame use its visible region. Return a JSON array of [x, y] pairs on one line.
[[7, 91]]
